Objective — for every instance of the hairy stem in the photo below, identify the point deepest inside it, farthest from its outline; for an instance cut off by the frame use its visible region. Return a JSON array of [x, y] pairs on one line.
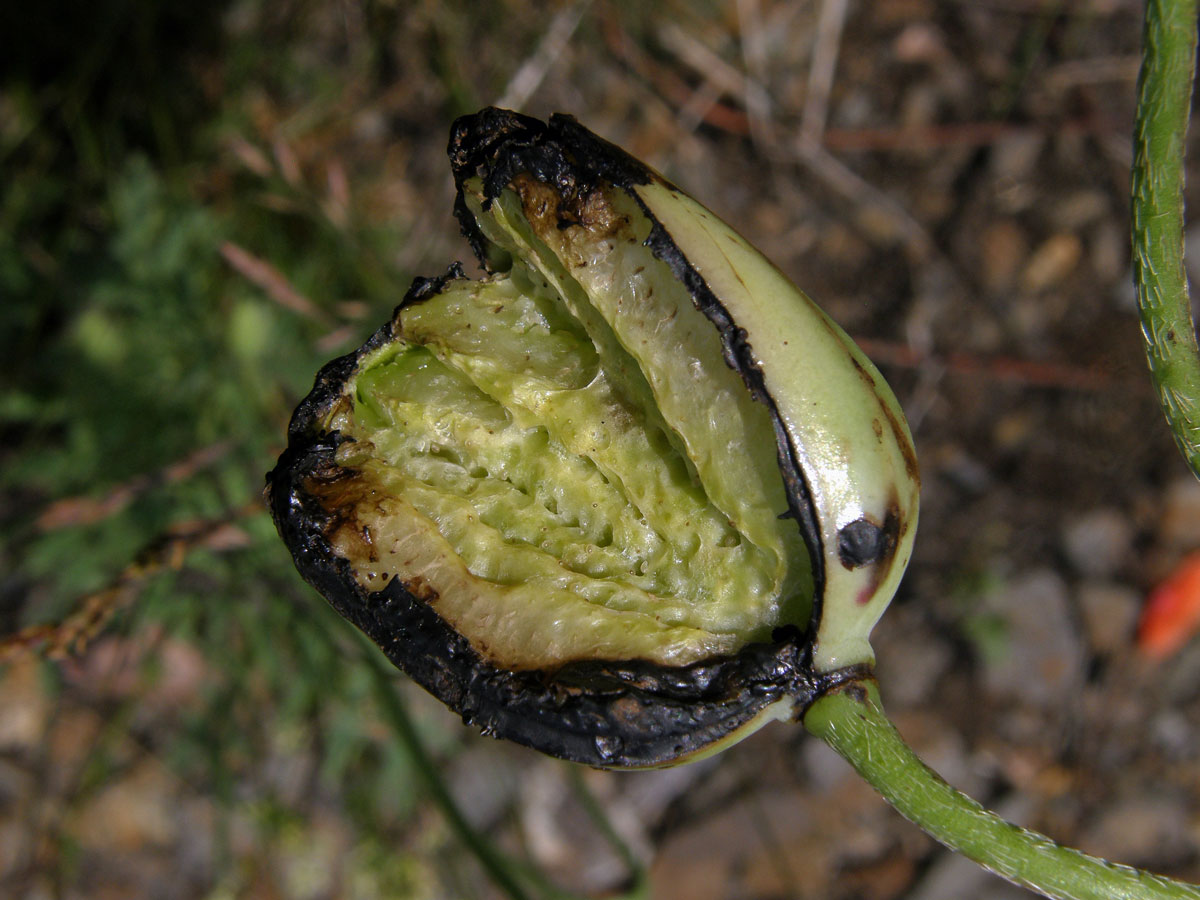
[[1164, 101], [851, 720]]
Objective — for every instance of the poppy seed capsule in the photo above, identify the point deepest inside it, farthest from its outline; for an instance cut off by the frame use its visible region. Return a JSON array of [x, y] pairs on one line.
[[623, 500]]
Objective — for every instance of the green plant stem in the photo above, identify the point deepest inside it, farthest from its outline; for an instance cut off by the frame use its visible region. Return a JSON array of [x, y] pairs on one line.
[[852, 721], [389, 700], [594, 811], [1160, 132], [507, 874]]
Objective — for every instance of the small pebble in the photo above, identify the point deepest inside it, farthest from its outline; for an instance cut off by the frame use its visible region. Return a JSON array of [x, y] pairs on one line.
[[919, 42], [1109, 251], [1110, 613], [1014, 429], [139, 809], [1179, 527], [910, 662], [1003, 249], [1079, 208], [24, 707], [1174, 734], [1140, 830], [1040, 661], [1098, 543], [1053, 261], [1014, 156]]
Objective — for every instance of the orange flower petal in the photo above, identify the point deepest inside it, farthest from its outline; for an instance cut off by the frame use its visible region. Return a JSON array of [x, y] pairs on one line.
[[1172, 611]]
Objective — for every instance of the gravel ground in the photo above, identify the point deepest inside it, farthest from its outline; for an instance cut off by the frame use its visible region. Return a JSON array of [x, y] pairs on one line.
[[950, 180]]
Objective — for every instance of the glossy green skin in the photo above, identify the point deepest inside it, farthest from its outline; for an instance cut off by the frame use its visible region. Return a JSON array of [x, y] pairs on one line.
[[843, 421]]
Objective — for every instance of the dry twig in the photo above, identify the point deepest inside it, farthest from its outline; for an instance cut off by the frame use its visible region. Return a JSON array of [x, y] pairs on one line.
[[167, 552], [76, 511], [264, 275], [826, 46], [533, 71]]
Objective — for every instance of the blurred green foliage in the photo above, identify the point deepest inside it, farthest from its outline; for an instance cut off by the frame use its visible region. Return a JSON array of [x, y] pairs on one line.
[[128, 342], [189, 229]]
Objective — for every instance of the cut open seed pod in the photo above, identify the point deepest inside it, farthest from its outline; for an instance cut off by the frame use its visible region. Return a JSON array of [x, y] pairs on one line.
[[626, 498]]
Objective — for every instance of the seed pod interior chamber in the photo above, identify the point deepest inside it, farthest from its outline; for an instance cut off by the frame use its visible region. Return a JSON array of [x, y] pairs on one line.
[[580, 499]]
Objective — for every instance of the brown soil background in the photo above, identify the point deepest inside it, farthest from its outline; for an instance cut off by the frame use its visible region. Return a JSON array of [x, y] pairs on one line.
[[950, 181]]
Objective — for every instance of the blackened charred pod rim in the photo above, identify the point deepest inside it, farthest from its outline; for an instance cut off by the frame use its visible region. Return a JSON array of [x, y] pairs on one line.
[[628, 715], [631, 714]]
